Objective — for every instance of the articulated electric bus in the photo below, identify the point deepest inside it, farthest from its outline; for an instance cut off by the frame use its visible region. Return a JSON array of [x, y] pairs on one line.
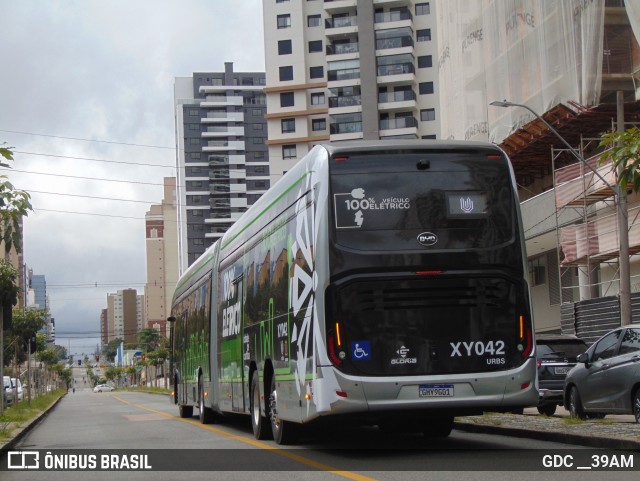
[[377, 282]]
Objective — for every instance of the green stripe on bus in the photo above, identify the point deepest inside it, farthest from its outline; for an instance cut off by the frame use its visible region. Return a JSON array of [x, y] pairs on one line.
[[255, 219]]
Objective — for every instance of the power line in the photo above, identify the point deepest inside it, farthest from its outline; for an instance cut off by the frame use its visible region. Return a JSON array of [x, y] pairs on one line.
[[95, 160], [82, 178], [92, 197], [88, 140]]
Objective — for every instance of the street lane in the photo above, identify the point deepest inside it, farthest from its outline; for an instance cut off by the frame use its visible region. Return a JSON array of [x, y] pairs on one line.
[[136, 421]]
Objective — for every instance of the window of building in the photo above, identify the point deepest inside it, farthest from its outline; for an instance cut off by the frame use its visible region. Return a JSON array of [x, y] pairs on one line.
[[428, 114], [258, 140], [423, 8], [198, 242], [430, 136], [195, 155], [257, 112], [318, 124], [317, 98], [315, 46], [537, 271], [424, 35], [288, 125], [286, 73], [258, 126], [284, 21], [194, 126], [284, 47], [316, 72], [194, 141], [289, 151], [286, 99], [425, 88], [313, 21], [425, 61], [258, 155], [194, 112], [196, 213]]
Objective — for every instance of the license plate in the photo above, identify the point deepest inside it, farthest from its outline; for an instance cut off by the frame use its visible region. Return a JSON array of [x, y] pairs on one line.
[[562, 370], [436, 390]]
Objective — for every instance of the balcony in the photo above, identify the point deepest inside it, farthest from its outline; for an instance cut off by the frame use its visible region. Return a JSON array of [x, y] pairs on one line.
[[341, 22], [342, 48], [346, 127], [223, 145], [349, 101], [399, 100], [394, 42], [221, 101], [344, 74], [339, 5], [396, 16], [398, 123], [223, 131]]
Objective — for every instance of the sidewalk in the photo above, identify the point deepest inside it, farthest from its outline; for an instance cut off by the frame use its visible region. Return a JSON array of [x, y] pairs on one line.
[[613, 432]]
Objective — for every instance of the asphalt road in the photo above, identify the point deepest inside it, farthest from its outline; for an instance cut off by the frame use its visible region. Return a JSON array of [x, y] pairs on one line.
[[92, 424]]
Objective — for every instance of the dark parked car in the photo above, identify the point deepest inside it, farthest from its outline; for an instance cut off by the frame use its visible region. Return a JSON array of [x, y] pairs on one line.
[[556, 355], [606, 379]]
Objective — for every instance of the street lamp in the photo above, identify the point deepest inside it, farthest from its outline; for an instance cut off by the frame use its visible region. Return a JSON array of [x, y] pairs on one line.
[[623, 225]]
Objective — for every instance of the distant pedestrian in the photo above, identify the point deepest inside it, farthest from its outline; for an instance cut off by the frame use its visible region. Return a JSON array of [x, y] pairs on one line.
[[74, 390]]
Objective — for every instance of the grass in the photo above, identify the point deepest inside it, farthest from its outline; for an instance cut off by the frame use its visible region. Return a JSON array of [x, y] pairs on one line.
[[17, 414]]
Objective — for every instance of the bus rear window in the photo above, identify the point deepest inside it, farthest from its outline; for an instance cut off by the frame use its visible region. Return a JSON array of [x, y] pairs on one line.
[[460, 201]]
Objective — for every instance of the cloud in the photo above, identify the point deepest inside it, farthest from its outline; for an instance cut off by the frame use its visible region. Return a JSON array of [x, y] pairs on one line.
[[103, 71]]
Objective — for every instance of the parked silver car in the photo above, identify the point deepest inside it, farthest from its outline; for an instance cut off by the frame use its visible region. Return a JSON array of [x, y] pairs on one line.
[[8, 390], [606, 379]]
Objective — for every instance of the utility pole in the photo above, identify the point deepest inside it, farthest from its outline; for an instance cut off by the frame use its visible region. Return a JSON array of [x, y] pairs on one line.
[[623, 230]]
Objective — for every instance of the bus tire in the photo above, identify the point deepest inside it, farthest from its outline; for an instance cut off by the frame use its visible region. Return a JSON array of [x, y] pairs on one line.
[[185, 411], [206, 415], [284, 432], [259, 422], [438, 427]]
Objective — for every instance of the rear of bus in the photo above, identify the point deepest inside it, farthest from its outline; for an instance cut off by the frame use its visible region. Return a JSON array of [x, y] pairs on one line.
[[427, 309]]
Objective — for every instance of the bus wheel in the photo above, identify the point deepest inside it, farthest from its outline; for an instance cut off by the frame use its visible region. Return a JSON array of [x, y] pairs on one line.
[[206, 415], [438, 428], [185, 411], [284, 432], [259, 423]]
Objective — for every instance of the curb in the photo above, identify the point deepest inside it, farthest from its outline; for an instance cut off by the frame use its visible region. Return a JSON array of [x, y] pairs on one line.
[[22, 431], [555, 436]]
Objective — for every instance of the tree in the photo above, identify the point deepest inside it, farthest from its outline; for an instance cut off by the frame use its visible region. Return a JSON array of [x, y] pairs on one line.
[[624, 152], [26, 322], [14, 204], [110, 350], [149, 339]]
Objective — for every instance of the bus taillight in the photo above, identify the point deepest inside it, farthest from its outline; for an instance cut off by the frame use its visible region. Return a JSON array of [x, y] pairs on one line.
[[525, 338], [332, 352]]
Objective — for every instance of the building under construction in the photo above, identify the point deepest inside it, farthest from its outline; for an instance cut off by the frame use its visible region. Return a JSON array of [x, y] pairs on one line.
[[568, 71]]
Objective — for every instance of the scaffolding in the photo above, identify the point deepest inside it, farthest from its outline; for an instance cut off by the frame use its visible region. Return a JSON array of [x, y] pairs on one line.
[[587, 226]]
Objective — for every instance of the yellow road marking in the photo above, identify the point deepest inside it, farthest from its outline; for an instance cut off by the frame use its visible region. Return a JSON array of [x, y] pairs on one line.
[[254, 442]]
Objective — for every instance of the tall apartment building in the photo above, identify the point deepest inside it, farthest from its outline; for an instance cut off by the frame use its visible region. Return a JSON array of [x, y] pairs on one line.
[[222, 160], [162, 257], [348, 69], [125, 314]]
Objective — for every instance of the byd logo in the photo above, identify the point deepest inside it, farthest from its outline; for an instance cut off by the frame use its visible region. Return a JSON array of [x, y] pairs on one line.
[[427, 238]]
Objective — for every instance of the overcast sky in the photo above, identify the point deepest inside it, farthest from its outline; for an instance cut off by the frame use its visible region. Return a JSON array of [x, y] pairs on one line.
[[103, 71]]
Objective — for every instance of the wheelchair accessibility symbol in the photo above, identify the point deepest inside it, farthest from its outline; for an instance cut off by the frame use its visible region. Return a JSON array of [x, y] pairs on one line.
[[360, 351]]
